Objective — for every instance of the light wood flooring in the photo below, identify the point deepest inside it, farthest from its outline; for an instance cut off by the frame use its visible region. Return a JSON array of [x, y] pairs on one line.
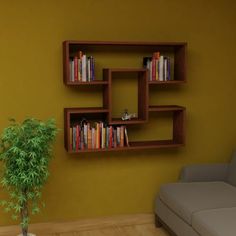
[[132, 225]]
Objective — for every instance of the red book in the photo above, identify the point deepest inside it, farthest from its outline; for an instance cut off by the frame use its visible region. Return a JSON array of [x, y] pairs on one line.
[[76, 68], [153, 68]]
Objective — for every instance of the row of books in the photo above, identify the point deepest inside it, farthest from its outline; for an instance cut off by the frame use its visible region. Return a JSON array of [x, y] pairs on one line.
[[158, 66], [82, 68], [97, 135]]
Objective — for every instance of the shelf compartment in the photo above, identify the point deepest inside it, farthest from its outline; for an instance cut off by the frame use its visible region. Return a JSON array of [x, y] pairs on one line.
[[74, 116], [120, 51], [141, 92], [121, 54], [178, 116], [139, 145]]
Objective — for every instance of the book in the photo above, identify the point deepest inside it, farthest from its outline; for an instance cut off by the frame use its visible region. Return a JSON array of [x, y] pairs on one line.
[[161, 68], [97, 131], [74, 138], [72, 70], [93, 138], [77, 137], [84, 70], [75, 68], [126, 138], [89, 136], [122, 136]]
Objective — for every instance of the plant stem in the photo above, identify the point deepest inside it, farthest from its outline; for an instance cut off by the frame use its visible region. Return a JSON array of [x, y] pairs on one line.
[[24, 215]]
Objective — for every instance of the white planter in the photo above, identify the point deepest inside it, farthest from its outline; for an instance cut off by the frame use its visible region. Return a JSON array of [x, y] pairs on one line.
[[29, 234]]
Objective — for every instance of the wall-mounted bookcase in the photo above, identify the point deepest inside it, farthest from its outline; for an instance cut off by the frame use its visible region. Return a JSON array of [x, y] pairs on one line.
[[111, 63]]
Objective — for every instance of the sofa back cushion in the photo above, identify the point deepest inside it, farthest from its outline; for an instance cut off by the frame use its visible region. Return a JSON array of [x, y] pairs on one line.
[[232, 170]]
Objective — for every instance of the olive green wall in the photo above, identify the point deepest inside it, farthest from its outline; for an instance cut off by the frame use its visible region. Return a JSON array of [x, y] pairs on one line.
[[101, 184]]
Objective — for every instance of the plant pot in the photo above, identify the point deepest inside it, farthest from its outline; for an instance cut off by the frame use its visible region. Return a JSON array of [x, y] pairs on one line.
[[29, 234]]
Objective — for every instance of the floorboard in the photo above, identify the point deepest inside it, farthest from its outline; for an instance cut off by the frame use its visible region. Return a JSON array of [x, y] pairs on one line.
[[132, 225]]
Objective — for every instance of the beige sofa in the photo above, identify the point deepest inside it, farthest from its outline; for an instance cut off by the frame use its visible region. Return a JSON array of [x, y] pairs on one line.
[[202, 203]]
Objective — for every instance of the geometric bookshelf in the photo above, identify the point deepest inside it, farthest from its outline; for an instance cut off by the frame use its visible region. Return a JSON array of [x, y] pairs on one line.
[[114, 62]]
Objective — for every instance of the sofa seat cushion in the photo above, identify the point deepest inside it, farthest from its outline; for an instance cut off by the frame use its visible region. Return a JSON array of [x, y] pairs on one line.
[[187, 198], [215, 222]]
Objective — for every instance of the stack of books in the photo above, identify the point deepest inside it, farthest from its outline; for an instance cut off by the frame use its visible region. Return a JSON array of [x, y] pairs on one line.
[[97, 135], [158, 67], [82, 68]]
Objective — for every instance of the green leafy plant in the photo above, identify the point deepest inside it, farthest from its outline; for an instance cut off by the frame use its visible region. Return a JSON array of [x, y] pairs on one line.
[[25, 153]]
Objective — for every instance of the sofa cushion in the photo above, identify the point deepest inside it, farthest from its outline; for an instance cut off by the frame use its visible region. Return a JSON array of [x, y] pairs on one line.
[[215, 222], [232, 170], [186, 198]]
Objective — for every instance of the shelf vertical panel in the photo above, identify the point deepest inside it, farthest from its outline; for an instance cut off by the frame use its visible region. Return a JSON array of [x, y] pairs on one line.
[[66, 56], [143, 95], [73, 116], [66, 129], [180, 63], [179, 120], [106, 94]]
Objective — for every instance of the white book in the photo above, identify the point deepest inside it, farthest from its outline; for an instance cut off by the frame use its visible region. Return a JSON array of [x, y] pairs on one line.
[[161, 68], [84, 74]]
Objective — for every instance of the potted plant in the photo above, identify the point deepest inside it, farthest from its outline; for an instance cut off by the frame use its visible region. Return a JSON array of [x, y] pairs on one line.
[[25, 153]]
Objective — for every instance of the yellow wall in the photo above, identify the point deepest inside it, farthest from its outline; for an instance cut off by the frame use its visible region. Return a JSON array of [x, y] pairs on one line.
[[31, 84]]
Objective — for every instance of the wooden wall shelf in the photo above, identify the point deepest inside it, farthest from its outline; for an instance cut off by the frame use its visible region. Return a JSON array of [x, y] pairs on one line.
[[176, 51]]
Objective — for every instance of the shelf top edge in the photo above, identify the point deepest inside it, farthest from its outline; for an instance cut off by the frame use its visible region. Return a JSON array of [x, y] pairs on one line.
[[126, 69], [125, 43], [166, 107], [95, 82], [167, 82], [87, 109]]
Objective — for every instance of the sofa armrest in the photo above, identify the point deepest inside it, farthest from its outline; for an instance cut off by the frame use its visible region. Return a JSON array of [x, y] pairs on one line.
[[204, 172]]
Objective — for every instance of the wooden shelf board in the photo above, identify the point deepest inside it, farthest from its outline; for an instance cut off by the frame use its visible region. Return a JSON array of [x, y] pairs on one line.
[[126, 69], [95, 82], [167, 82], [106, 43], [135, 145], [118, 121], [166, 108], [155, 144], [86, 110]]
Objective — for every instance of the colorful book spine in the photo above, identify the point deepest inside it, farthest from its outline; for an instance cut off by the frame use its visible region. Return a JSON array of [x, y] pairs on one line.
[[159, 67], [97, 135], [82, 68]]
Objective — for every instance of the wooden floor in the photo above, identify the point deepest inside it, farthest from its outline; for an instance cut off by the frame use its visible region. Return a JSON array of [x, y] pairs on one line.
[[132, 225]]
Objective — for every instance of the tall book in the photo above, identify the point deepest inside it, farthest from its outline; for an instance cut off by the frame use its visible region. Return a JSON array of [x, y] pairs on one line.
[[75, 68], [126, 138], [84, 70]]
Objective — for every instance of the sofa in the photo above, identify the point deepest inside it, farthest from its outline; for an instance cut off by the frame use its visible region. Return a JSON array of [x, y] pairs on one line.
[[203, 202]]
